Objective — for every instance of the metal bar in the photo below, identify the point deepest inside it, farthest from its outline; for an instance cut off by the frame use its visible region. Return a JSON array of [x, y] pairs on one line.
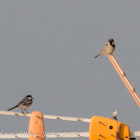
[[47, 135], [46, 116], [124, 78], [135, 133], [5, 135]]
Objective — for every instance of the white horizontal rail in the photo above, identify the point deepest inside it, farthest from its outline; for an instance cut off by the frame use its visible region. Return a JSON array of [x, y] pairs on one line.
[[4, 135], [46, 135], [135, 133], [46, 116]]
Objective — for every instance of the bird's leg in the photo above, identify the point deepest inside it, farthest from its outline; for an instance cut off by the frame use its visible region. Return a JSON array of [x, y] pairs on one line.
[[26, 111], [22, 110]]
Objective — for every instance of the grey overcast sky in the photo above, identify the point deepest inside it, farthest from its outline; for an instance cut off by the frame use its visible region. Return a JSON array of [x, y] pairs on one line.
[[47, 49]]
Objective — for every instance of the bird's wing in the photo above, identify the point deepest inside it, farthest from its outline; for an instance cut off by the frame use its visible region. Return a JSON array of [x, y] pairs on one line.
[[103, 51], [24, 101]]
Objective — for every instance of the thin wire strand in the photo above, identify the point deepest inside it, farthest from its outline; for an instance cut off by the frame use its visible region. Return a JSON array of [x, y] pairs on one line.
[[46, 135], [56, 135]]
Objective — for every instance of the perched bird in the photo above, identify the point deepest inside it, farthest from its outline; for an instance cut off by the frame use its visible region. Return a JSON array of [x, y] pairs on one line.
[[24, 104], [108, 49], [115, 117]]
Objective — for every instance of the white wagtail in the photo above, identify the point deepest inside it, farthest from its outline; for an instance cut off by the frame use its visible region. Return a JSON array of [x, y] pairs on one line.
[[24, 104], [115, 112], [108, 49]]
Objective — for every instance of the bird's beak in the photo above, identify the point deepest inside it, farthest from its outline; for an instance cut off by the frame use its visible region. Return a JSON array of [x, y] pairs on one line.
[[33, 98]]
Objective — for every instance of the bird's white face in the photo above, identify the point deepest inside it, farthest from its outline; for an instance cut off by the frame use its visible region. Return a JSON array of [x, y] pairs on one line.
[[29, 98], [113, 43], [115, 113]]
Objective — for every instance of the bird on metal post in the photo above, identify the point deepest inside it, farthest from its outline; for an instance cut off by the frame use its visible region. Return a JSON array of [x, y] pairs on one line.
[[115, 112], [24, 104], [115, 117], [108, 49]]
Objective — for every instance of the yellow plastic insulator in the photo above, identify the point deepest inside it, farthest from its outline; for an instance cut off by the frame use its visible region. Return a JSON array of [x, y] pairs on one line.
[[108, 129], [36, 126]]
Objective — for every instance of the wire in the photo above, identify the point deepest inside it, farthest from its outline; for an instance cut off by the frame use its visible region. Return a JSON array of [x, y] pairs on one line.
[[125, 79], [47, 135], [46, 116], [55, 135]]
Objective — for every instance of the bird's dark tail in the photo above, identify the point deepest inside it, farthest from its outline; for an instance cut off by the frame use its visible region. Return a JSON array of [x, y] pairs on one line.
[[12, 108], [97, 55], [115, 118]]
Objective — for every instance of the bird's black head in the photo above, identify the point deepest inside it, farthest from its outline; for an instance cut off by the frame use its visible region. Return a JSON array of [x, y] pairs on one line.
[[111, 41], [29, 96]]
